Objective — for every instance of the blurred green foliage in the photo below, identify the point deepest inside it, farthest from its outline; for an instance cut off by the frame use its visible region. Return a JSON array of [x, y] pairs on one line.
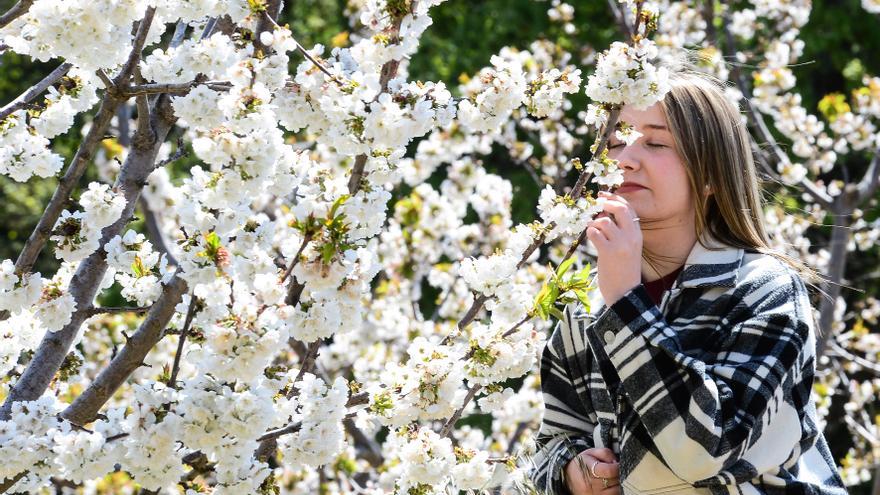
[[841, 45]]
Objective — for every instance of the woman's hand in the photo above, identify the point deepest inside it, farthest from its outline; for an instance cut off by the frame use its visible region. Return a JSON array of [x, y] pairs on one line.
[[618, 241], [586, 477]]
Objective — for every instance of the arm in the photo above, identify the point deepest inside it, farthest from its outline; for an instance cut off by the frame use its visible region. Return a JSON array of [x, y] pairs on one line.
[[567, 426], [704, 417]]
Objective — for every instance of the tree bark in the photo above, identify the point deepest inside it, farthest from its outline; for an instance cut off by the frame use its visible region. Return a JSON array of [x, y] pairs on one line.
[[85, 408], [841, 213], [84, 284]]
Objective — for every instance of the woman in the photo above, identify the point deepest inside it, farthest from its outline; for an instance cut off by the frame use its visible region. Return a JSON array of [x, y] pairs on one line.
[[693, 373]]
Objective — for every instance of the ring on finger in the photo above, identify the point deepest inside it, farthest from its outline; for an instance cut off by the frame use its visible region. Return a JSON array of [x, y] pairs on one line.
[[593, 470], [636, 219], [604, 482]]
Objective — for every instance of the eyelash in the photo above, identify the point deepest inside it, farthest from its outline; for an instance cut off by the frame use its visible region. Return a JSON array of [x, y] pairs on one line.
[[611, 146]]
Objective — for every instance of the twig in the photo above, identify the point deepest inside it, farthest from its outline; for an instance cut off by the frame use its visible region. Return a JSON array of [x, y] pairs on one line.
[[446, 296], [868, 185], [308, 362], [140, 38], [513, 329], [173, 88], [15, 12], [354, 400], [310, 58], [447, 428], [115, 310], [108, 83], [34, 91], [838, 349], [190, 312], [295, 259]]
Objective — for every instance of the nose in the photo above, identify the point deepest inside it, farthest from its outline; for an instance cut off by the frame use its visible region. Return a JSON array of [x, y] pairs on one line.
[[628, 157]]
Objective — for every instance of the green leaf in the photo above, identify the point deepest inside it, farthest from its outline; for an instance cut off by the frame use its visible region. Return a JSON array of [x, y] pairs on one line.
[[557, 313], [543, 294], [583, 297], [564, 266], [336, 204], [213, 240], [327, 252]]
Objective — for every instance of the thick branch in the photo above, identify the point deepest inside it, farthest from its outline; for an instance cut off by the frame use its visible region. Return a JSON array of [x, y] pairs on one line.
[[17, 10], [34, 91], [85, 408], [840, 233], [85, 282], [78, 164]]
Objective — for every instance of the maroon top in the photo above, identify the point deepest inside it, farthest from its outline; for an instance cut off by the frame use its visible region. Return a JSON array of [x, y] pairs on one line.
[[661, 285]]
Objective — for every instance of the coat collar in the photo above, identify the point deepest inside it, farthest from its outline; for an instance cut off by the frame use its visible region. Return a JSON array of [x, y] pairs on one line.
[[711, 265]]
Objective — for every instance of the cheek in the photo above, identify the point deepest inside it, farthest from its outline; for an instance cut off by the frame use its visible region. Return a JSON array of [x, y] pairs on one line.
[[676, 194]]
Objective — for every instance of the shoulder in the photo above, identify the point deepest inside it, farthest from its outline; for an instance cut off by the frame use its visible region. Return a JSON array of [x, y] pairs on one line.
[[766, 272]]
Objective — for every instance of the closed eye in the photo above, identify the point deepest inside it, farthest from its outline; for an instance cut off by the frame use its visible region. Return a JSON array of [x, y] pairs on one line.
[[657, 145], [611, 146]]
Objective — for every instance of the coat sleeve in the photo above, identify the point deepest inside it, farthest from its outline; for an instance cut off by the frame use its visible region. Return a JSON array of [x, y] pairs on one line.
[[706, 417], [567, 427]]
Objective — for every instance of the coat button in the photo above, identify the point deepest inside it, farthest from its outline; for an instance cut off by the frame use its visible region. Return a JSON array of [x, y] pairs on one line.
[[609, 337]]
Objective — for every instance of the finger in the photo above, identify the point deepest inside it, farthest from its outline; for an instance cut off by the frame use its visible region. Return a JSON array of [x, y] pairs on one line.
[[597, 237], [613, 196], [580, 480], [606, 225], [607, 470], [602, 454], [623, 213]]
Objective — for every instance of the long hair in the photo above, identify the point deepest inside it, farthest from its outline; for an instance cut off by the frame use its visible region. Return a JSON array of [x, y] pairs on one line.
[[713, 142]]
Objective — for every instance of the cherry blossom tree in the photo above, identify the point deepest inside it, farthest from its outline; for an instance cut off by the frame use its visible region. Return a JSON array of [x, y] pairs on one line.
[[274, 335]]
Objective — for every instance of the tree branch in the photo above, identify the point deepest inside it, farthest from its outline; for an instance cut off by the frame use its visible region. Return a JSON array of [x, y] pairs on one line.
[[447, 428], [388, 71], [295, 259], [85, 282], [190, 312], [173, 88], [34, 91], [868, 185], [140, 38], [115, 310], [84, 408], [354, 400], [757, 120], [78, 164], [15, 12]]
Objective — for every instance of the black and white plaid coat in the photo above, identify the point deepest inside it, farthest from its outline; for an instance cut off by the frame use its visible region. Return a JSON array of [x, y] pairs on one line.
[[707, 394]]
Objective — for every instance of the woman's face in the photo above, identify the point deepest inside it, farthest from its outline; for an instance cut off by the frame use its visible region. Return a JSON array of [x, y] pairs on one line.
[[655, 182]]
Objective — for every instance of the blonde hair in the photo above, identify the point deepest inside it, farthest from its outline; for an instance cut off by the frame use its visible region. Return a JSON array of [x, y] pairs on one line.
[[713, 142]]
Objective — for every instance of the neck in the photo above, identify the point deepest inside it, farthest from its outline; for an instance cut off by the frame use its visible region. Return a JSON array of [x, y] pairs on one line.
[[670, 244]]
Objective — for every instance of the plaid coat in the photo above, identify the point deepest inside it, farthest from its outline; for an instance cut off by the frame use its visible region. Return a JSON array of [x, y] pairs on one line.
[[707, 394]]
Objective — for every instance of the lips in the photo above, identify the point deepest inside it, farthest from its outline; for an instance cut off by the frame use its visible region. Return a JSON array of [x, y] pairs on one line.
[[629, 187]]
